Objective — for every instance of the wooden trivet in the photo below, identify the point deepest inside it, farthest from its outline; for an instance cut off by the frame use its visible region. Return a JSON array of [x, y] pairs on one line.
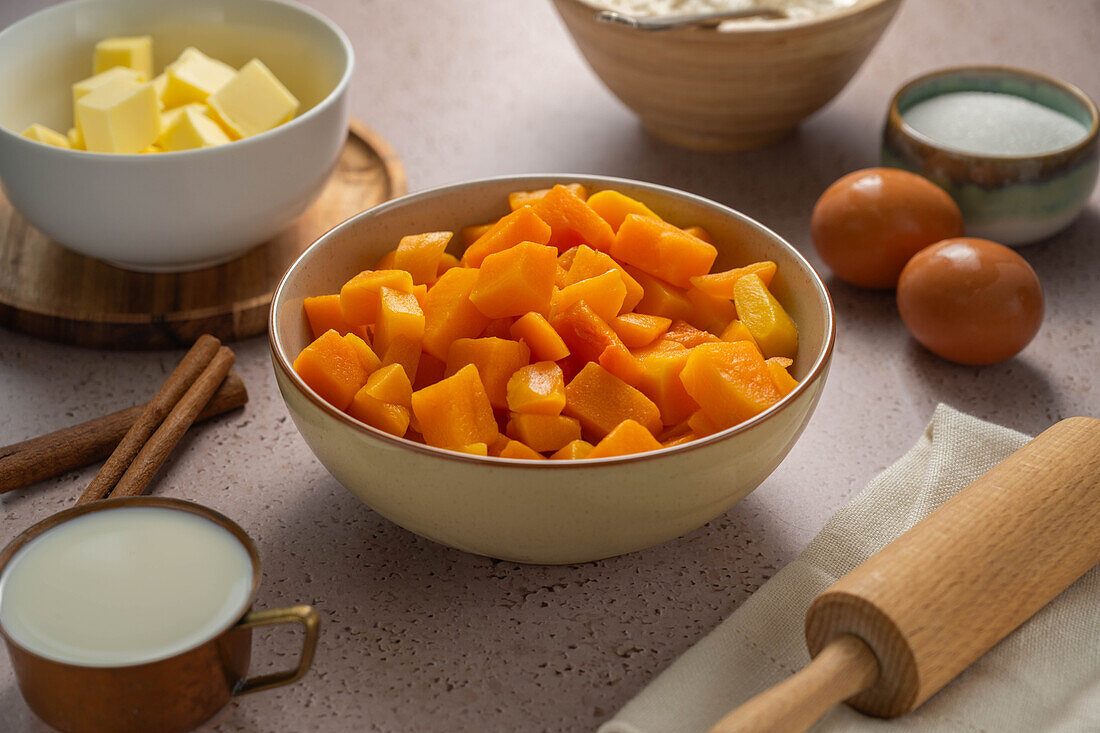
[[49, 291]]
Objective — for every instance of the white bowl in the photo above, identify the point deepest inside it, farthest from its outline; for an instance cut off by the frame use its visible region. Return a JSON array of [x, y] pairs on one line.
[[547, 511], [171, 211]]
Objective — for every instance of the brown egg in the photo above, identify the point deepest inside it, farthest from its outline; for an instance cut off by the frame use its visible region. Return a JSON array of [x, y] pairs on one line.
[[971, 301], [869, 223]]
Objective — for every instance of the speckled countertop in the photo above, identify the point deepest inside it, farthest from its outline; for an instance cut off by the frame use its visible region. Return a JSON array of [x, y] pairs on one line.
[[420, 637]]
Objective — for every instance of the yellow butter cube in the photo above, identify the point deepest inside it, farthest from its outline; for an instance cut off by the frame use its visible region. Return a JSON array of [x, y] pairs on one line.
[[160, 84], [193, 77], [111, 76], [76, 138], [43, 134], [131, 52], [192, 129], [169, 117], [253, 101], [119, 118]]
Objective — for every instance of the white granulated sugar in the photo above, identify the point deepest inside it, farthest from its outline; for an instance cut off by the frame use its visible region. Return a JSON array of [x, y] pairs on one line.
[[795, 9], [991, 123]]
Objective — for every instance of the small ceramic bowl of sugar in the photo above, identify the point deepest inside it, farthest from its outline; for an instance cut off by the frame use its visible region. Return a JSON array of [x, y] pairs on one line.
[[1017, 150]]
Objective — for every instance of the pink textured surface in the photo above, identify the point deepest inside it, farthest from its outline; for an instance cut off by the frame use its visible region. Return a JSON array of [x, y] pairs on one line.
[[420, 637]]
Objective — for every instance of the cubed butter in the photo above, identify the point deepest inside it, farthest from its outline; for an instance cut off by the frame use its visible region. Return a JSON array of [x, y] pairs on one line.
[[191, 129], [193, 77], [43, 134], [160, 83], [111, 76], [76, 138], [119, 118], [131, 52], [253, 101], [169, 117]]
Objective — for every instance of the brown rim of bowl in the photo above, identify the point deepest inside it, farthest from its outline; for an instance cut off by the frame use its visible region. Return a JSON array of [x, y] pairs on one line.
[[897, 121], [816, 371], [163, 502], [774, 26]]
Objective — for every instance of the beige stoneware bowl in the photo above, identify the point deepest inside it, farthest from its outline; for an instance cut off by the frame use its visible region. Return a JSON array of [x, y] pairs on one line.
[[171, 211], [717, 89], [547, 511]]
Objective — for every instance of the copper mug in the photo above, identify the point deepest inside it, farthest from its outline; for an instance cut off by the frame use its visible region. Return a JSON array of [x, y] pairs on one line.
[[173, 694]]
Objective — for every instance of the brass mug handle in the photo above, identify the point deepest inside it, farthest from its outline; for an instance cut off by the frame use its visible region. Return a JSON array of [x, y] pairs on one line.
[[311, 623]]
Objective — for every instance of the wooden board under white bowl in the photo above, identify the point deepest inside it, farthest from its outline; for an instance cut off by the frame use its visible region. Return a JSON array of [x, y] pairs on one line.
[[52, 292]]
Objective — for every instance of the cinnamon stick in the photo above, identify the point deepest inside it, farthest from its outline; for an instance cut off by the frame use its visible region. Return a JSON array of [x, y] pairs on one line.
[[46, 456], [156, 411], [155, 451]]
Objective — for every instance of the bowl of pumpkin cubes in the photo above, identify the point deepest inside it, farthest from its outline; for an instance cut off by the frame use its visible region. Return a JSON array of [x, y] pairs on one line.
[[551, 368], [168, 136]]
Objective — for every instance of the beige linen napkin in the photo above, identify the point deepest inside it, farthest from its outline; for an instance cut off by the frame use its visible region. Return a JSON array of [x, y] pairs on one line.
[[1045, 676]]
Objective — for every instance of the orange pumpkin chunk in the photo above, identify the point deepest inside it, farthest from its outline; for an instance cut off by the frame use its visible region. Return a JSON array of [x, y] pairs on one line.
[[720, 284], [730, 381], [386, 416], [516, 449], [709, 313], [574, 451], [572, 221], [323, 313], [702, 425], [659, 298], [455, 411], [600, 400], [661, 366], [390, 384], [367, 357], [446, 262], [429, 370], [627, 437], [496, 360], [618, 360], [765, 318], [359, 301], [332, 368], [544, 433], [385, 262], [604, 294], [662, 250], [517, 199], [419, 255], [638, 329], [473, 233], [687, 334], [448, 312], [540, 336], [699, 233], [474, 449], [500, 328], [784, 382], [585, 333], [613, 207], [522, 225], [565, 259], [399, 317], [587, 262], [537, 389], [405, 352], [515, 281], [737, 331]]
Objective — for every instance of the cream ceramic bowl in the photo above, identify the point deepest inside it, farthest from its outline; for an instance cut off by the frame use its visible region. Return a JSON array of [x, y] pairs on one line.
[[546, 511], [171, 211], [712, 89]]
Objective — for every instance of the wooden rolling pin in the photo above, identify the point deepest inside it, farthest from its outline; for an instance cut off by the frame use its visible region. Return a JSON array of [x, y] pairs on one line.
[[893, 631]]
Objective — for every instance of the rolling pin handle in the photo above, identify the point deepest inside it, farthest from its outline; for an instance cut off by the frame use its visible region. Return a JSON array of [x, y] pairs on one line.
[[845, 667]]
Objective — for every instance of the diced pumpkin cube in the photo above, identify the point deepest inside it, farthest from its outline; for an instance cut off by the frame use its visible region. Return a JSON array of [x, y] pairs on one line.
[[515, 281], [627, 438], [687, 334], [474, 449], [566, 258], [446, 262], [572, 221], [367, 357], [390, 384], [601, 401], [687, 437], [662, 250], [702, 425], [603, 293], [587, 262], [540, 336], [385, 262], [406, 352], [574, 451], [517, 199], [522, 225], [659, 298], [537, 388], [500, 328], [765, 318], [561, 275], [399, 317], [516, 449], [359, 297], [585, 333], [455, 411], [784, 382], [473, 233], [614, 206], [323, 312], [429, 370], [419, 254], [544, 433], [699, 233], [660, 381], [720, 284], [448, 312], [331, 367], [386, 416], [496, 360], [498, 444], [638, 329], [730, 381], [709, 313], [618, 360]]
